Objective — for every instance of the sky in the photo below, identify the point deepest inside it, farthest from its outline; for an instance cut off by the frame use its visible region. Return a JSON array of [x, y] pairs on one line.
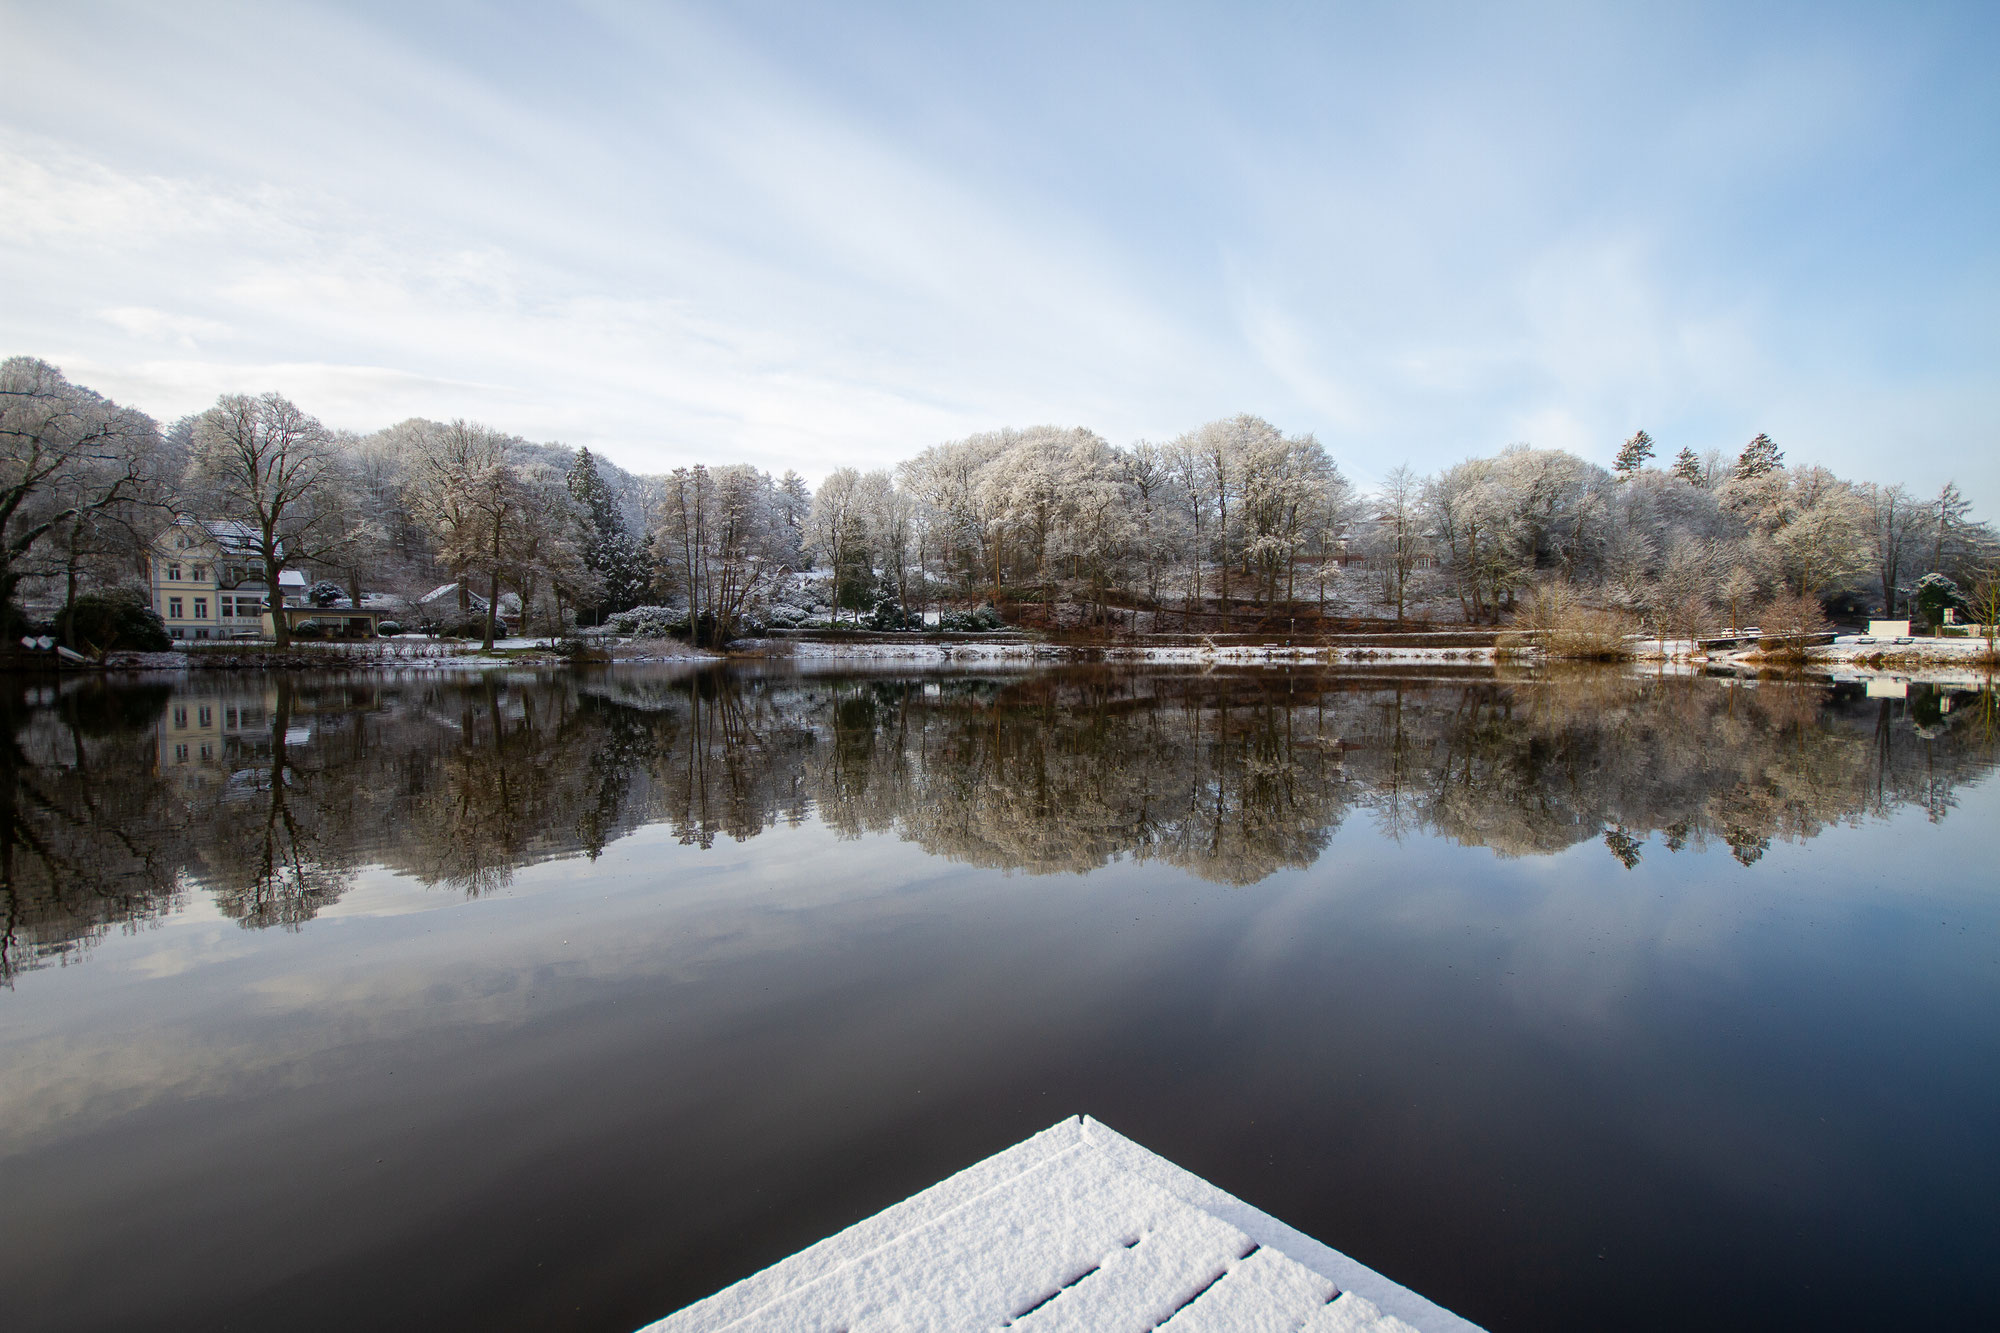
[[810, 235]]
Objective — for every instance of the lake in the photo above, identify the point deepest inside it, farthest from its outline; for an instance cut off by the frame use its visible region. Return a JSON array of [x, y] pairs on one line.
[[526, 1001]]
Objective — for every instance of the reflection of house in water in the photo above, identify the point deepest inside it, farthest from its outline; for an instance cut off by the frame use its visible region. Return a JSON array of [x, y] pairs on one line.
[[220, 732]]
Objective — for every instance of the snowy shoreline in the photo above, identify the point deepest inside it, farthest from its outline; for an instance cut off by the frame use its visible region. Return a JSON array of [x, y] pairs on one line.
[[1947, 661]]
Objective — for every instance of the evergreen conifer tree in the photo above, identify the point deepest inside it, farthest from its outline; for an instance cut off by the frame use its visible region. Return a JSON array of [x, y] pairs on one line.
[[1687, 466], [609, 550], [1759, 456], [795, 509], [1634, 454]]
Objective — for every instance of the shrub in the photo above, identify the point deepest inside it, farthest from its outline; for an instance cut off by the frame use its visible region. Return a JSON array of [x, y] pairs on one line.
[[577, 649], [327, 593], [969, 622], [1986, 609], [1789, 620], [651, 622], [308, 629], [888, 615], [459, 624], [783, 615], [102, 622], [389, 627], [1935, 595], [1568, 629]]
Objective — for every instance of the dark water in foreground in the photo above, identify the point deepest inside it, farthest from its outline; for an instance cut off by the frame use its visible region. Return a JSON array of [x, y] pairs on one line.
[[527, 1002]]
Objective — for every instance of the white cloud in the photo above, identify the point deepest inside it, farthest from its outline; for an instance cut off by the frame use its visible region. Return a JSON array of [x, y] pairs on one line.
[[157, 325]]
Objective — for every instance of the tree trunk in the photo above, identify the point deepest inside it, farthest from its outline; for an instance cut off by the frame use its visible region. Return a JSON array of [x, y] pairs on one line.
[[69, 604], [1222, 538], [281, 631], [492, 612]]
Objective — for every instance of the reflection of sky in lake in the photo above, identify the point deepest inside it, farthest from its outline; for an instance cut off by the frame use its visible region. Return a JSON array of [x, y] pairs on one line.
[[1544, 1090]]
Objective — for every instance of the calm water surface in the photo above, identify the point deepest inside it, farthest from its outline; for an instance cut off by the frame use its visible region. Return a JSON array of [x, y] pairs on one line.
[[530, 1002]]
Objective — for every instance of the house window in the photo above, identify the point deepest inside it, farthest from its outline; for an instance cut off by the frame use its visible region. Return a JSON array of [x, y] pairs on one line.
[[201, 608], [200, 633], [200, 573], [180, 719], [208, 752], [173, 573], [180, 754], [206, 714], [173, 608]]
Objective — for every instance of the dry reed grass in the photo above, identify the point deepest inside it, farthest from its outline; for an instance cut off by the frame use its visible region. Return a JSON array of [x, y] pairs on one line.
[[1568, 630]]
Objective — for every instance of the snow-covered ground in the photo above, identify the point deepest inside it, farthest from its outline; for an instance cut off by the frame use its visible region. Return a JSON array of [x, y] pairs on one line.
[[911, 652], [1134, 653], [410, 651], [1853, 647], [1250, 653], [1849, 657], [1941, 661]]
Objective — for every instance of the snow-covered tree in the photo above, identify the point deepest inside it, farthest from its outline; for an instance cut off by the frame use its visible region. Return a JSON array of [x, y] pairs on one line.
[[723, 540], [273, 467], [1688, 467], [1896, 530], [1396, 541], [1633, 454], [1759, 457], [73, 466], [609, 550], [839, 531]]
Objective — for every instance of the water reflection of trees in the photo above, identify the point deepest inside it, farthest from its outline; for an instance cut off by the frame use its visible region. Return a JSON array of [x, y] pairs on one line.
[[269, 794]]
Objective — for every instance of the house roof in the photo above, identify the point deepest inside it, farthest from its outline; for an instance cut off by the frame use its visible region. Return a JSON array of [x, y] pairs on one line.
[[438, 594], [230, 536], [291, 578]]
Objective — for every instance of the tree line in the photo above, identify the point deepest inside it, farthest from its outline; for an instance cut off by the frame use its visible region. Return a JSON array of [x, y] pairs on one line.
[[1224, 527]]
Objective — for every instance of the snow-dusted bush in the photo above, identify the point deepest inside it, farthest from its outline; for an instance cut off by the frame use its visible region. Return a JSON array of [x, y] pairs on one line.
[[969, 622], [1935, 595], [651, 622], [889, 615]]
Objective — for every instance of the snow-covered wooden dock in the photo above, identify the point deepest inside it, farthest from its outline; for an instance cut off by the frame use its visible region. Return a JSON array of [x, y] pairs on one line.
[[1078, 1228]]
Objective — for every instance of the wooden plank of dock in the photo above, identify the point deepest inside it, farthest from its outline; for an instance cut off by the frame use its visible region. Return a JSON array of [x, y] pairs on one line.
[[1077, 1228]]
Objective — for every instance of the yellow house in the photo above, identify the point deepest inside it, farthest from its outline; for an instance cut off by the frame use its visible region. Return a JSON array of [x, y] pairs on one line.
[[208, 582]]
